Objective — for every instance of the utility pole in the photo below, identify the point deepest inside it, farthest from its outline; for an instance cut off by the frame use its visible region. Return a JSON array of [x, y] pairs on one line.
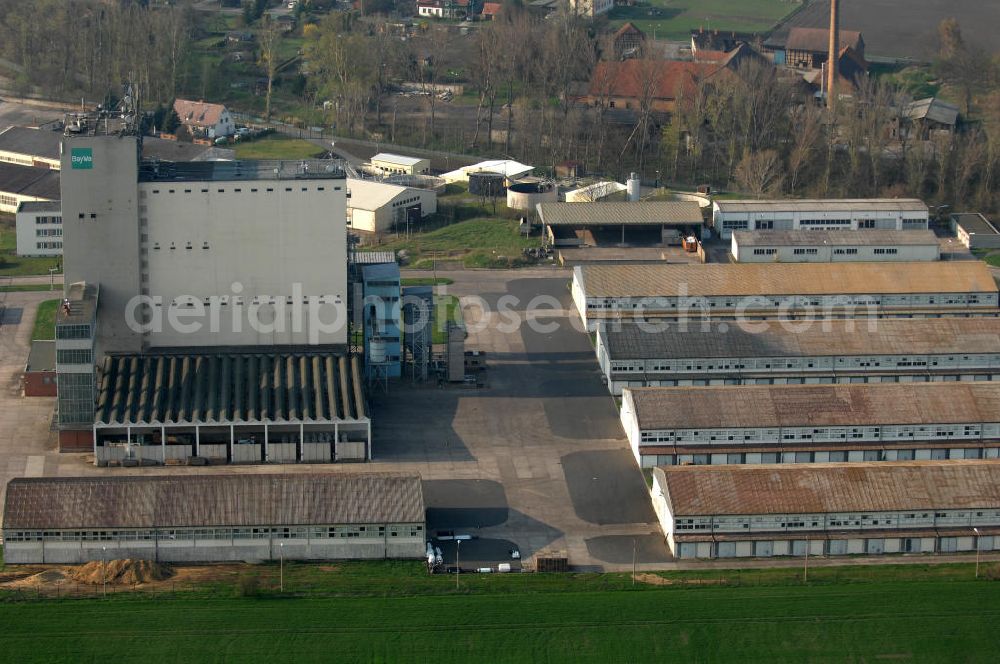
[[633, 560], [104, 570], [805, 568], [281, 567], [976, 530], [458, 567], [831, 62]]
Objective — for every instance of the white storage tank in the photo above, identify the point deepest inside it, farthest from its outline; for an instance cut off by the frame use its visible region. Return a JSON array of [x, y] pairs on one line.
[[634, 190], [526, 195], [376, 351]]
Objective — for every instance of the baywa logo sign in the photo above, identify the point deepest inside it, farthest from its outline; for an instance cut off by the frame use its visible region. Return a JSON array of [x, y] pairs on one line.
[[82, 158]]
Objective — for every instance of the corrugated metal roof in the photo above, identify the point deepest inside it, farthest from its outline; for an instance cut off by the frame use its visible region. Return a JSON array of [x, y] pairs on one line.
[[228, 387], [42, 143], [34, 181], [396, 159], [824, 205], [746, 279], [772, 406], [863, 238], [932, 109], [631, 214], [168, 501], [834, 337], [823, 488]]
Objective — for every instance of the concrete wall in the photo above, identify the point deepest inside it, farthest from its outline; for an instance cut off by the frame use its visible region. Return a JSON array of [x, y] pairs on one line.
[[266, 239], [27, 236]]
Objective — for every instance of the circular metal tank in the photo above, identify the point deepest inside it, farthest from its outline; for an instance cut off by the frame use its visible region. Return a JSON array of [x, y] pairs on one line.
[[526, 195]]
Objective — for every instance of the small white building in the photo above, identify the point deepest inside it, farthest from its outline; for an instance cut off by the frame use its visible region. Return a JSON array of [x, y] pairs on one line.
[[375, 207], [834, 246], [778, 352], [777, 424], [205, 119], [394, 164], [39, 228], [828, 510], [975, 231], [819, 214]]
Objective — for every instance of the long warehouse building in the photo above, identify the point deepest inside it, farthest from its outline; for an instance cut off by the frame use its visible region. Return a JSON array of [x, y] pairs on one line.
[[888, 350], [812, 423], [900, 214], [785, 290], [213, 518], [829, 509], [834, 246]]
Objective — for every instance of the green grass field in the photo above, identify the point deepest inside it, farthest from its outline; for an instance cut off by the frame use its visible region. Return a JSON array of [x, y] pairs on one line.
[[45, 320], [675, 19], [12, 265], [881, 614], [478, 242], [277, 147]]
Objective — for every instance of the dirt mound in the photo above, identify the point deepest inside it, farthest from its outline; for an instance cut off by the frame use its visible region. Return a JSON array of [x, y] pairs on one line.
[[48, 577], [127, 572]]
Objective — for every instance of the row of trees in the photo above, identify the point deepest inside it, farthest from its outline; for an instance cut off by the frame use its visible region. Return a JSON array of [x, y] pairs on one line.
[[88, 47]]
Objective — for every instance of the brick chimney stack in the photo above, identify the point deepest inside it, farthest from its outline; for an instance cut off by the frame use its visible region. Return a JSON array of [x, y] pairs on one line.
[[831, 63]]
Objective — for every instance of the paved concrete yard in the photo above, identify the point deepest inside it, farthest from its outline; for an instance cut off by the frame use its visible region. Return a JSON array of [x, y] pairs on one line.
[[536, 460]]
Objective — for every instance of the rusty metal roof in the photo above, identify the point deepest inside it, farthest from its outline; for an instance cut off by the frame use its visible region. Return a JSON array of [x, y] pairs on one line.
[[228, 387], [862, 404], [168, 501], [824, 338], [822, 488], [747, 279]]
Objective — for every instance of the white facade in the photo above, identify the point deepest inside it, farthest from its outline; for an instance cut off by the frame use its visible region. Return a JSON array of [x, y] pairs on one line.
[[833, 214], [804, 251], [214, 259], [375, 207], [266, 244], [39, 231], [833, 368], [394, 164], [934, 529]]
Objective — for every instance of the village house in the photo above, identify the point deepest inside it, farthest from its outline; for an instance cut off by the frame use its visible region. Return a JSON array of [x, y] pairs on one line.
[[205, 120]]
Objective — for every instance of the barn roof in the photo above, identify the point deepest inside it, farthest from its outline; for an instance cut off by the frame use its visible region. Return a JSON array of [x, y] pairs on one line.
[[761, 279], [826, 338], [170, 501], [826, 488], [669, 78], [773, 406]]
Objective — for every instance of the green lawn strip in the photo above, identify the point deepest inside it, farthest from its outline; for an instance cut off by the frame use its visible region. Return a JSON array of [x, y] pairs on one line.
[[28, 288], [426, 281], [45, 321], [276, 147], [929, 621], [446, 309]]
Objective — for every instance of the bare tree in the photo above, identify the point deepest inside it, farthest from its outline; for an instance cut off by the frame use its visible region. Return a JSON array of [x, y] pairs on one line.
[[270, 41], [760, 173]]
